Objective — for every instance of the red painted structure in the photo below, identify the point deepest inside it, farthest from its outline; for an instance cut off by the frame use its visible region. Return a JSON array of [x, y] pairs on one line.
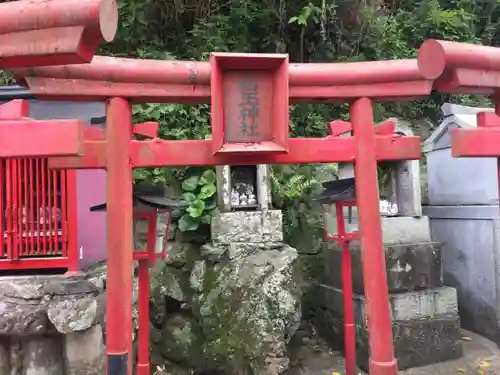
[[39, 226], [344, 238], [146, 258], [37, 219], [128, 81]]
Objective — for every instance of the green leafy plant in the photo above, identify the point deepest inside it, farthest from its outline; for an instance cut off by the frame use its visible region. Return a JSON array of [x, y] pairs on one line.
[[293, 187], [199, 192]]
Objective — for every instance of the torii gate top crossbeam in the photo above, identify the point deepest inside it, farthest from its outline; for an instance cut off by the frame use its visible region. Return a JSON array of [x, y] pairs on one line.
[[188, 82], [54, 32], [461, 67]]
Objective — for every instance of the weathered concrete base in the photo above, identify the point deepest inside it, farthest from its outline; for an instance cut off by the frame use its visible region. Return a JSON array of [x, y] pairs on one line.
[[409, 267], [426, 326], [247, 226]]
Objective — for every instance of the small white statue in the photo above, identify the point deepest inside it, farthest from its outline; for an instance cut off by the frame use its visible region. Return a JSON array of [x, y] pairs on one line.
[[235, 198], [243, 200], [251, 196]]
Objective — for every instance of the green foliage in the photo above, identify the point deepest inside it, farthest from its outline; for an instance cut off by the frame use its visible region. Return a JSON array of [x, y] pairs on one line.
[[199, 194], [293, 187]]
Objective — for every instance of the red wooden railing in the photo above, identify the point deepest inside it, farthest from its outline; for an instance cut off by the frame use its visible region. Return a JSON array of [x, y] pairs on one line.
[[37, 204]]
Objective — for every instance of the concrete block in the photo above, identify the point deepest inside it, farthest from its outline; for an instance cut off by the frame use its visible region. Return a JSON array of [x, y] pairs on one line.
[[248, 226], [409, 267], [423, 304]]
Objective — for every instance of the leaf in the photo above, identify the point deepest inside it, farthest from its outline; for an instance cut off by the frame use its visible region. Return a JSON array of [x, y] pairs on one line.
[[207, 191], [190, 183], [187, 223], [189, 197], [176, 213], [210, 204], [208, 177], [196, 208], [206, 219], [485, 363]]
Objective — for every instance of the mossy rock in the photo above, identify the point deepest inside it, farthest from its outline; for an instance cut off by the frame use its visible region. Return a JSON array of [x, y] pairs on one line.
[[248, 309], [180, 340]]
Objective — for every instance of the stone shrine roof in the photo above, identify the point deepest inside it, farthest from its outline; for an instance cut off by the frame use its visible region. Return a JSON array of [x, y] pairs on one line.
[[455, 116]]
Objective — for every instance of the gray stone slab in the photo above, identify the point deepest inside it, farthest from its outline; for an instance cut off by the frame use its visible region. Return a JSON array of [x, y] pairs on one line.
[[400, 229], [423, 304], [248, 226], [409, 267], [405, 229]]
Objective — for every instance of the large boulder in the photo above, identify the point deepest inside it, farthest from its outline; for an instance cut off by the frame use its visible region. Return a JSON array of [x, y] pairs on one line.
[[247, 306]]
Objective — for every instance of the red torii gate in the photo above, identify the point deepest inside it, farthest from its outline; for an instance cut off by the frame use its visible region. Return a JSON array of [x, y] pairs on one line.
[[125, 81]]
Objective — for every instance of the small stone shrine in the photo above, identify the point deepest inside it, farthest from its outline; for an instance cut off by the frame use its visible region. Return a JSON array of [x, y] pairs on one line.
[[244, 199], [426, 326]]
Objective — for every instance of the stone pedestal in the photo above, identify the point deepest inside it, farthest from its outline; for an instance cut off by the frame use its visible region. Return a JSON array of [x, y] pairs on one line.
[[426, 326], [247, 226]]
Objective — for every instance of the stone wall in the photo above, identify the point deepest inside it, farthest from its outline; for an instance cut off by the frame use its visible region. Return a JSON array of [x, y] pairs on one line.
[[49, 325]]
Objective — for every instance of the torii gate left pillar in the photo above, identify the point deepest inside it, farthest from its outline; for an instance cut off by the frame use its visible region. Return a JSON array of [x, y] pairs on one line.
[[250, 95]]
